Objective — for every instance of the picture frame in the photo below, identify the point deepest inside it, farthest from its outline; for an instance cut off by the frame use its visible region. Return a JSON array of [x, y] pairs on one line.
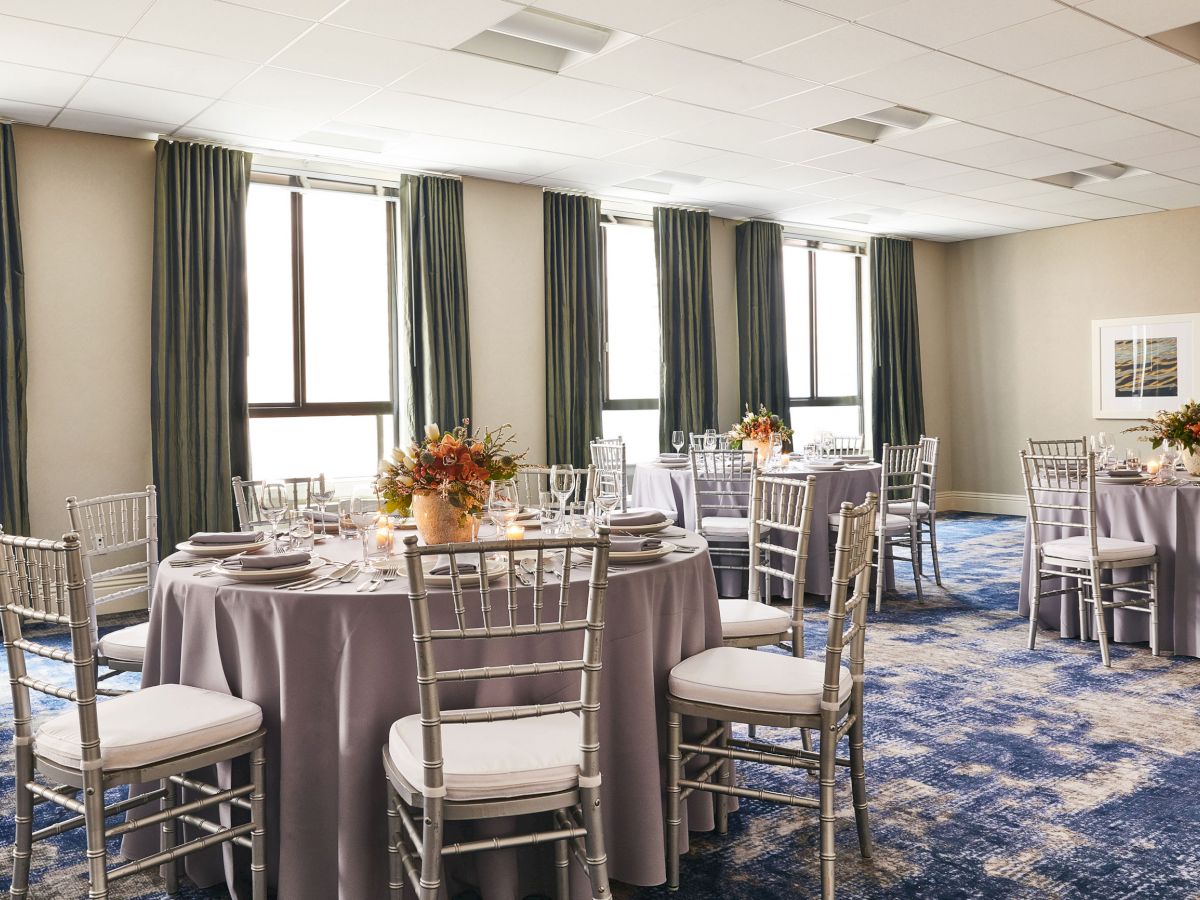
[[1143, 364]]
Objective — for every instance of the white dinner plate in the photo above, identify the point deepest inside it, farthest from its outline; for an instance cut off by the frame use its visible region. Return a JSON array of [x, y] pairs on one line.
[[672, 463], [651, 528], [266, 576], [638, 556], [856, 457], [495, 567], [217, 551], [1125, 479], [819, 466]]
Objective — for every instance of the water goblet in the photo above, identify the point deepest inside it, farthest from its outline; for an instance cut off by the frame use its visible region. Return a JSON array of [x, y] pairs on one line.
[[710, 439], [273, 504], [504, 505], [563, 482], [677, 441]]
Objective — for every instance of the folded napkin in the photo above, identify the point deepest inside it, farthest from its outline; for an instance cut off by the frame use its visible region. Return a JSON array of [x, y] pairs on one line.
[[274, 560], [634, 544], [638, 517], [1123, 473], [463, 569], [320, 515], [226, 537]]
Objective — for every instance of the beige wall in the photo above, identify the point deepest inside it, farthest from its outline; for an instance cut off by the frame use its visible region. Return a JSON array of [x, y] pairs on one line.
[[87, 209], [1019, 329], [724, 279], [933, 300]]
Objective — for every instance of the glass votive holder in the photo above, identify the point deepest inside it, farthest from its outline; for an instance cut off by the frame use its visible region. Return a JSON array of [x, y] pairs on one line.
[[514, 532], [348, 529], [379, 540]]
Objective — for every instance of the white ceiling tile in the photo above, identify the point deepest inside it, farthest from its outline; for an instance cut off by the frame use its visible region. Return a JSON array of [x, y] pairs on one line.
[[896, 194], [851, 10], [304, 9], [219, 28], [1105, 208], [823, 211], [1009, 150], [1169, 163], [422, 22], [727, 166], [994, 213], [838, 54], [1145, 16], [986, 97], [735, 87], [805, 145], [120, 126], [937, 23], [940, 138], [1173, 194], [727, 131], [642, 65], [789, 178], [407, 112], [135, 101], [863, 158], [965, 182], [918, 76], [1039, 41], [1182, 114], [654, 116], [1051, 164], [299, 92], [1150, 90], [109, 17], [1014, 190], [1117, 62], [27, 113], [1060, 112], [850, 186], [919, 168], [821, 106], [577, 101], [602, 172], [1103, 131], [459, 152], [255, 121], [42, 86], [353, 55], [173, 69], [52, 46], [1130, 185], [740, 29], [521, 130], [1154, 143], [661, 154], [454, 75], [1190, 174], [636, 16], [729, 192]]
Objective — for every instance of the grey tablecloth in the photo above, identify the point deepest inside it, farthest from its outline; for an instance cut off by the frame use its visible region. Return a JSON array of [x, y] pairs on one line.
[[333, 669], [673, 489], [1169, 518]]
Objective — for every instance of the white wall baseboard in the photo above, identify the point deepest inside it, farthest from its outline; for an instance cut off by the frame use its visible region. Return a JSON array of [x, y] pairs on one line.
[[976, 501]]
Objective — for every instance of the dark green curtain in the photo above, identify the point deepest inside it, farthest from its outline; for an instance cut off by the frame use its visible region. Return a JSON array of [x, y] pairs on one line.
[[198, 403], [574, 331], [688, 380], [762, 338], [898, 406], [14, 482], [435, 310]]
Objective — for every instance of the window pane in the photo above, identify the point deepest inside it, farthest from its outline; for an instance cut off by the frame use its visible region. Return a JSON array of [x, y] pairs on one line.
[[639, 428], [633, 334], [807, 421], [796, 304], [269, 374], [837, 324], [339, 446], [346, 298]]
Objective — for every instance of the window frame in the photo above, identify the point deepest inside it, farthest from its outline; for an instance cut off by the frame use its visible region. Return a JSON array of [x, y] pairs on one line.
[[608, 403], [814, 247]]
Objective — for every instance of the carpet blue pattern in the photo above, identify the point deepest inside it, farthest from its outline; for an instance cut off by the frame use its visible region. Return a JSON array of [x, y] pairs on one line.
[[993, 772]]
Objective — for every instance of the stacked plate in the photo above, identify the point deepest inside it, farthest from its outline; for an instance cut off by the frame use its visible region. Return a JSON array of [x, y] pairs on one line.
[[673, 460], [231, 569], [216, 551], [825, 465], [856, 457], [1122, 476]]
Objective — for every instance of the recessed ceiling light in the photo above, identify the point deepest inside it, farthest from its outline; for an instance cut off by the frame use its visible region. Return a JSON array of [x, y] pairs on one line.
[[1106, 172], [540, 40], [888, 122], [648, 185], [898, 117], [1184, 40]]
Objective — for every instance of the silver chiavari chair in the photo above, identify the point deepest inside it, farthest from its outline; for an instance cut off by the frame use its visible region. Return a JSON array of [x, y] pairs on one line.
[[434, 760], [608, 456], [736, 684], [1052, 488], [245, 498], [848, 445], [118, 525], [155, 735], [1058, 447], [925, 507], [723, 487]]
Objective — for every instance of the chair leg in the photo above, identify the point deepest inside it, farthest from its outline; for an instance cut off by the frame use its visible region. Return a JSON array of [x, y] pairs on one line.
[[933, 549], [169, 871], [1154, 609], [828, 765], [593, 842], [431, 851], [396, 874], [881, 548], [1101, 625], [1081, 594], [674, 823], [23, 846], [914, 553], [93, 823], [858, 784], [258, 815], [1035, 598], [725, 776], [562, 870]]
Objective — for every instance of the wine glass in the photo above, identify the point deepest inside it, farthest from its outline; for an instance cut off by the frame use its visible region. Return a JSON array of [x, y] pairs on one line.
[[563, 482], [273, 504], [321, 495], [608, 496], [677, 441], [504, 504], [1170, 456], [710, 439]]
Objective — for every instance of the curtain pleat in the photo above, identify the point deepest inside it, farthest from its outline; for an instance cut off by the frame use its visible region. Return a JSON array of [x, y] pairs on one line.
[[14, 426], [688, 380], [574, 332], [436, 316], [898, 404], [199, 410], [762, 337]]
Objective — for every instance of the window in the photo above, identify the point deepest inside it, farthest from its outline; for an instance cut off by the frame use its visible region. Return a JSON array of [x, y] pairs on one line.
[[631, 338], [321, 367], [823, 301]]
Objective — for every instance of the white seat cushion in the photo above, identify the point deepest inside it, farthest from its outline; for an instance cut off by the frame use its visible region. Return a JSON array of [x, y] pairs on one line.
[[756, 680], [126, 644], [488, 760], [725, 524], [904, 507], [894, 522], [1079, 549], [749, 618], [151, 725]]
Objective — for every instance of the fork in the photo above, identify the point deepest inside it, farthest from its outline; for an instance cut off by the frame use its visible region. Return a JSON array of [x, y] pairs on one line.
[[342, 576], [388, 575], [310, 580]]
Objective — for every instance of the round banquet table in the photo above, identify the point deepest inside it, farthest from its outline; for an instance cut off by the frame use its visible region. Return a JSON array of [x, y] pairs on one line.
[[673, 489], [1167, 516], [333, 669]]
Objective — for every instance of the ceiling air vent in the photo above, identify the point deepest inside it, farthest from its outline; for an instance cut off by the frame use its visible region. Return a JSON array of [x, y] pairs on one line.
[[540, 40], [889, 122], [1106, 172], [1184, 40]]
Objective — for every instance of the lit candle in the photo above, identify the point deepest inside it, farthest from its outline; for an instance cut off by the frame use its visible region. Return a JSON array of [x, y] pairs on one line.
[[383, 534], [785, 459], [515, 532], [1153, 465]]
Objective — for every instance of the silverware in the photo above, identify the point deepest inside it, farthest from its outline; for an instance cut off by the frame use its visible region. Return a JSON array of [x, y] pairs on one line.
[[347, 576], [309, 580]]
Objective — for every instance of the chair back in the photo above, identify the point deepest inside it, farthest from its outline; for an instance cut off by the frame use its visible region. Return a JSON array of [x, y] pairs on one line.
[[848, 444], [848, 605], [1057, 447], [782, 506], [245, 497], [43, 581], [120, 526], [608, 457], [1052, 488], [900, 478], [525, 626], [723, 481], [927, 483]]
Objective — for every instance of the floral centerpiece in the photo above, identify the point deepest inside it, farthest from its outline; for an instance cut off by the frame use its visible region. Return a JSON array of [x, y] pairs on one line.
[[755, 431], [1180, 428], [443, 480]]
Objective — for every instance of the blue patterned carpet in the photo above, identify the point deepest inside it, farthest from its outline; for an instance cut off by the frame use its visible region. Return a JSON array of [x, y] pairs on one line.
[[993, 772]]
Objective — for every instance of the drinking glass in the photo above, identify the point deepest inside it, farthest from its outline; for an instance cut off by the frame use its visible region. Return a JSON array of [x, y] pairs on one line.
[[550, 513], [504, 505], [677, 441], [303, 530], [710, 439], [273, 504], [563, 482], [776, 448], [320, 498], [1170, 456], [607, 499]]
